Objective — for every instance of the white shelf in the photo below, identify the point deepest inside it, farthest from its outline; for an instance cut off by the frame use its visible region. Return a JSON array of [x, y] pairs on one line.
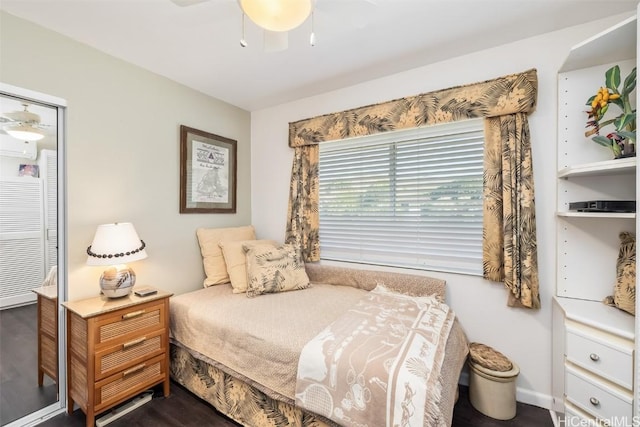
[[607, 167], [598, 315], [615, 44], [573, 214]]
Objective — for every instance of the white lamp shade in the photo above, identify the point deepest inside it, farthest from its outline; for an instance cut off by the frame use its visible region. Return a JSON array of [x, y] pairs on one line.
[[114, 244], [277, 15], [24, 132]]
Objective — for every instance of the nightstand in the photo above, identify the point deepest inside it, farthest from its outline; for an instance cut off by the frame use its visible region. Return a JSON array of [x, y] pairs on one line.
[[116, 349], [47, 332]]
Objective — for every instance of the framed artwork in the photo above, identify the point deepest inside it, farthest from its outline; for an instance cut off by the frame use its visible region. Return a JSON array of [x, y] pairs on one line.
[[29, 170], [208, 165]]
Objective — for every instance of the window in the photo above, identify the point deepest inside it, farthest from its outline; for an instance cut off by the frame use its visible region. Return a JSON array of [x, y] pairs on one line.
[[410, 198]]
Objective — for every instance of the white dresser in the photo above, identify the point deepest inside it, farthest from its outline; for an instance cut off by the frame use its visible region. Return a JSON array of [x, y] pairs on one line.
[[594, 363]]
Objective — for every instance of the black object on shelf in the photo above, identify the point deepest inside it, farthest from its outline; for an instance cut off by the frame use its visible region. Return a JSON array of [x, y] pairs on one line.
[[604, 206]]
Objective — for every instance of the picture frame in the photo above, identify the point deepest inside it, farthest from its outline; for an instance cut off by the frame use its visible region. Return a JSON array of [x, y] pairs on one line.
[[29, 170], [208, 172]]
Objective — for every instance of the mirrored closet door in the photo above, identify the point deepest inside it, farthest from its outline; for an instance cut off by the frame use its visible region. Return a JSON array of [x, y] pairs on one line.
[[31, 228]]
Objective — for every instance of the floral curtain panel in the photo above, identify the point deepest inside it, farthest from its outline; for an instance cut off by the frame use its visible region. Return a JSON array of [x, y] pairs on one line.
[[509, 235]]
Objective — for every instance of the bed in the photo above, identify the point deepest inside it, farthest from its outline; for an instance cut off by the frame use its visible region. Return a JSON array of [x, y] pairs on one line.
[[241, 354]]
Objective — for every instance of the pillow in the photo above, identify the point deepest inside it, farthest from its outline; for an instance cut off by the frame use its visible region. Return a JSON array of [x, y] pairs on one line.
[[273, 269], [624, 291], [236, 261], [212, 260]]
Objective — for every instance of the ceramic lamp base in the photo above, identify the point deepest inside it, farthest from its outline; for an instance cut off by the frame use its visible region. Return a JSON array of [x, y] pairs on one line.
[[117, 281]]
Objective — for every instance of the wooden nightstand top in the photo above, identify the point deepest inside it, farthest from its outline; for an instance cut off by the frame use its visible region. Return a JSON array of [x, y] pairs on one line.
[[49, 292], [99, 305]]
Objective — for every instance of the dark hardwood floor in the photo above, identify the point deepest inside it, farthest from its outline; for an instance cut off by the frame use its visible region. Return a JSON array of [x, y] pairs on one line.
[[19, 391], [183, 409]]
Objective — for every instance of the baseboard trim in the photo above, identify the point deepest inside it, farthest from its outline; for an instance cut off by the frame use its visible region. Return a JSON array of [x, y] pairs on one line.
[[534, 398]]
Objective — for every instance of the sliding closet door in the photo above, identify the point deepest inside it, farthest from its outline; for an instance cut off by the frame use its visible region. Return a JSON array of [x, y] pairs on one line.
[[32, 241]]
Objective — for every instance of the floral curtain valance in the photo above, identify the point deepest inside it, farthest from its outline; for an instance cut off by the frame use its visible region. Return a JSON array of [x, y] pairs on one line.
[[509, 230], [515, 93]]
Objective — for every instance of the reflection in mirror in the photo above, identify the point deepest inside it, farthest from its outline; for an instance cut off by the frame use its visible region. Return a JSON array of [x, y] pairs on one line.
[[28, 258]]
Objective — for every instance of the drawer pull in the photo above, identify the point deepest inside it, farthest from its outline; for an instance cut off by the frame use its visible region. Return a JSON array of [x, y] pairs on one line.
[[141, 366], [134, 342], [594, 401], [133, 314], [594, 357]]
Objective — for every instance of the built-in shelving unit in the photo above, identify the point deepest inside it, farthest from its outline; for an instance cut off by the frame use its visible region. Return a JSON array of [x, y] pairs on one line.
[[595, 373], [605, 167], [596, 214]]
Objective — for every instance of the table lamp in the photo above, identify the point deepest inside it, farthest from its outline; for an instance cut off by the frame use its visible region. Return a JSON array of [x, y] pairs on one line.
[[114, 245]]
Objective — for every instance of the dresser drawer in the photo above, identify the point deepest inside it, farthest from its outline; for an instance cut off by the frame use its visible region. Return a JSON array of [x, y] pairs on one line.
[[576, 417], [49, 356], [129, 353], [129, 382], [600, 399], [130, 322], [48, 316], [609, 357]]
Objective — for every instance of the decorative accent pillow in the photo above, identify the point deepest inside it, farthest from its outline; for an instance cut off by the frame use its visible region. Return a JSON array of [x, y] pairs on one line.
[[273, 269], [212, 259], [624, 291], [236, 261]]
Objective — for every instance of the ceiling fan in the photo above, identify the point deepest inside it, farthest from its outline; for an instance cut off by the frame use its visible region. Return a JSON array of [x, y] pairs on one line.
[[277, 17], [23, 124]]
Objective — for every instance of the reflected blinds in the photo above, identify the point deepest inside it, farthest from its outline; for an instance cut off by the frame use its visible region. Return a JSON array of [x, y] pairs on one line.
[[21, 239]]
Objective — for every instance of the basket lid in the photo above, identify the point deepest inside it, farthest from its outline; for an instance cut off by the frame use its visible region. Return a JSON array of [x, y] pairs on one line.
[[489, 358]]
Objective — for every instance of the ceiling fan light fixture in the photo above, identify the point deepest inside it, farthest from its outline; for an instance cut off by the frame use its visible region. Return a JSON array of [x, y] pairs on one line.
[[24, 132], [277, 15]]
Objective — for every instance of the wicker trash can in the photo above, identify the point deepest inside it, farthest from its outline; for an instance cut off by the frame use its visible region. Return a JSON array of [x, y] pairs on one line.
[[492, 382]]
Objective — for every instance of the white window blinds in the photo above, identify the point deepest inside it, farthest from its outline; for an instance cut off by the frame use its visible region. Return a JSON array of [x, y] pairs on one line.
[[407, 198]]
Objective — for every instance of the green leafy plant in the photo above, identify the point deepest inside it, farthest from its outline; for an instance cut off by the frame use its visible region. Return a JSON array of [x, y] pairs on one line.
[[622, 140]]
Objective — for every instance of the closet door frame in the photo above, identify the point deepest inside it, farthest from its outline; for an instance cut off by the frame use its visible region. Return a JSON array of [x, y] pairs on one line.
[[60, 105]]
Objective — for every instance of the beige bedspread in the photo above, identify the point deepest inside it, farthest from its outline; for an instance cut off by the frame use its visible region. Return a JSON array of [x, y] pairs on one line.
[[379, 361], [260, 339]]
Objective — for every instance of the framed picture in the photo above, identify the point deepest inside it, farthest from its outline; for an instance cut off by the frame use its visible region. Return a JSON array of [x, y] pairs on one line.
[[29, 170], [208, 165]]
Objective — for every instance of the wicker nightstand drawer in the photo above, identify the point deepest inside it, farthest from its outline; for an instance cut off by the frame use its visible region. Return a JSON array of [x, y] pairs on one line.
[[49, 348], [48, 313], [131, 321], [129, 382], [129, 353], [47, 333]]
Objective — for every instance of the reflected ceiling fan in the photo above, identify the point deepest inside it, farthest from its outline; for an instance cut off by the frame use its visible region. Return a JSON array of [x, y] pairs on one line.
[[276, 18], [23, 124]]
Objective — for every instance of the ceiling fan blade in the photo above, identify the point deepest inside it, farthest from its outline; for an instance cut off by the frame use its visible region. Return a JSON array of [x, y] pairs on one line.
[[184, 3]]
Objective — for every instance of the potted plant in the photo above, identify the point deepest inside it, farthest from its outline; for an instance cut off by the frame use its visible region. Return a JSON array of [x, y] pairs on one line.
[[622, 140]]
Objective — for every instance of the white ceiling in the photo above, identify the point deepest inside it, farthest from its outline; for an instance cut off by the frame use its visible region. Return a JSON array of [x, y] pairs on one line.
[[357, 40]]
